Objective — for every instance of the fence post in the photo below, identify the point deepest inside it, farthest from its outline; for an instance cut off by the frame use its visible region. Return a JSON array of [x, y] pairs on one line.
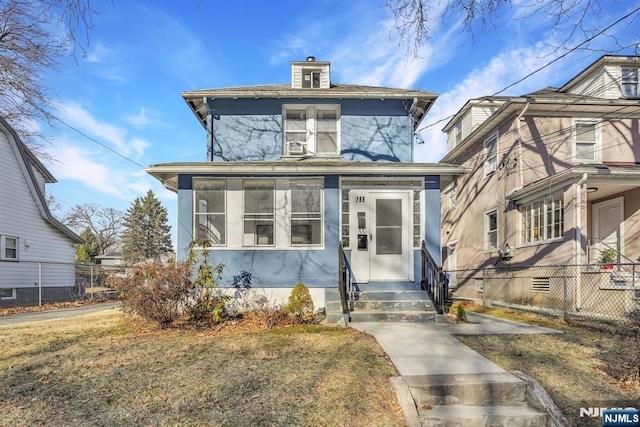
[[91, 273], [484, 288], [39, 284], [564, 289]]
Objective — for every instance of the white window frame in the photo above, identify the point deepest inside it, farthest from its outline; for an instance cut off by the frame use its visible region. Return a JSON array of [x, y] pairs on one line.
[[311, 74], [309, 141], [539, 219], [577, 139], [306, 216], [487, 231], [491, 154], [200, 217], [629, 86], [4, 246], [13, 294], [458, 132], [263, 217]]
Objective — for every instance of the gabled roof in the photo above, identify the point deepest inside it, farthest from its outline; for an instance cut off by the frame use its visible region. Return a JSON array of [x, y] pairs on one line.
[[631, 61], [543, 102], [196, 98], [26, 161]]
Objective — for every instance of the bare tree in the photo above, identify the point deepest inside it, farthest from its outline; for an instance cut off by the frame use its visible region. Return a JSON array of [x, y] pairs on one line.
[[34, 36], [106, 224], [574, 20]]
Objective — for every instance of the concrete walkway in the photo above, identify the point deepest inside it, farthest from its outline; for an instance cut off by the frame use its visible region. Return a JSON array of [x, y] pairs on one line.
[[431, 349], [424, 353]]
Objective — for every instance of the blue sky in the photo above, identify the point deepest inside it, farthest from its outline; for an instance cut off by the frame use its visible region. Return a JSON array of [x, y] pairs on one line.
[[125, 94]]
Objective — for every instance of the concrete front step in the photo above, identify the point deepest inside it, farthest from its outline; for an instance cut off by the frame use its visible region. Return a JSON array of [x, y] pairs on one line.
[[494, 416], [334, 295], [402, 305], [393, 316], [500, 388]]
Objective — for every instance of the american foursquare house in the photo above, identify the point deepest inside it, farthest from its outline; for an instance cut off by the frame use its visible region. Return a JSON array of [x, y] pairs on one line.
[[296, 170]]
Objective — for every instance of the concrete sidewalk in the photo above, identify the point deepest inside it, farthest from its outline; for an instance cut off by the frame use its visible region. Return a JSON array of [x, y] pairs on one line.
[[433, 363], [431, 349]]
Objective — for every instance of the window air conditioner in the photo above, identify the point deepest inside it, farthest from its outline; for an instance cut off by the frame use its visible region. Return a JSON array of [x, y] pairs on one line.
[[297, 148]]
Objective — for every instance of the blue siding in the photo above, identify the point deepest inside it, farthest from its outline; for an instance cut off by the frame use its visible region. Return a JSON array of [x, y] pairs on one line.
[[251, 129]]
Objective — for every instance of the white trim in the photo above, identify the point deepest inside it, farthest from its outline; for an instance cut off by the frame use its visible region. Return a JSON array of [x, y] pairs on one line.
[[3, 248], [13, 294], [595, 209], [485, 229], [311, 120], [490, 167], [597, 146]]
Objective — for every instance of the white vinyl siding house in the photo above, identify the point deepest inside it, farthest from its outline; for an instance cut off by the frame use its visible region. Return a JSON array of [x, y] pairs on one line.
[[29, 234]]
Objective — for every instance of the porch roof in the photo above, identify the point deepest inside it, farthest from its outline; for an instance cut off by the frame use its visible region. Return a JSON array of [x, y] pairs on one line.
[[167, 173], [602, 180]]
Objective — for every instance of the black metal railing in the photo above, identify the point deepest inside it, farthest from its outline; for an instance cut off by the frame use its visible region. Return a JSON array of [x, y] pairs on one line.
[[433, 280], [345, 281]]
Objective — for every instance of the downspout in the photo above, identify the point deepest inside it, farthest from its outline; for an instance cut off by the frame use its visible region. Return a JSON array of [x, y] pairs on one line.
[[578, 239], [520, 162]]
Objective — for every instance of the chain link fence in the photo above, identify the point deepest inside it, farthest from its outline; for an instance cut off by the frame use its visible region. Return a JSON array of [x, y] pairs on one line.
[[35, 283], [602, 296]]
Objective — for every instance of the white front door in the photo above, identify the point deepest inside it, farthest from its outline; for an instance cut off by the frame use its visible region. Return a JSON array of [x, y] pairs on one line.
[[381, 232], [608, 220]]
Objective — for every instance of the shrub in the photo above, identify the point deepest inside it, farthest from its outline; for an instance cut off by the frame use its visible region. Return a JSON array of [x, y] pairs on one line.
[[300, 303], [164, 293], [154, 291], [461, 313]]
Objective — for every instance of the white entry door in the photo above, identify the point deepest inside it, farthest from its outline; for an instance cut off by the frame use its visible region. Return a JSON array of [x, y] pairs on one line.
[[608, 220], [381, 231]]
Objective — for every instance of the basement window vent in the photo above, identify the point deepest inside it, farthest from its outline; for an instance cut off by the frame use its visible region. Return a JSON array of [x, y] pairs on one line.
[[540, 284]]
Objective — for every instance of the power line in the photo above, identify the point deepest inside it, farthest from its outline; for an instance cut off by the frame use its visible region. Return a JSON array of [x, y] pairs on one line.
[[99, 143]]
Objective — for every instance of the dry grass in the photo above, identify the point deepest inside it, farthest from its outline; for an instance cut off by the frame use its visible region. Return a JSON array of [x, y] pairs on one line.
[[101, 370], [578, 368]]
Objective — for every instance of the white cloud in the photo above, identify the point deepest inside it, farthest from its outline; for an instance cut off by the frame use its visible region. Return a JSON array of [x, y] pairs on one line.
[[75, 115], [88, 168], [499, 72]]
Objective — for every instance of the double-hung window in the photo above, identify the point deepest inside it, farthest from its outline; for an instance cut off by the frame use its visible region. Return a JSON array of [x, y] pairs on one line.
[[586, 140], [210, 212], [458, 132], [306, 212], [491, 154], [259, 213], [543, 219], [9, 245], [491, 230], [311, 130], [630, 82], [311, 79]]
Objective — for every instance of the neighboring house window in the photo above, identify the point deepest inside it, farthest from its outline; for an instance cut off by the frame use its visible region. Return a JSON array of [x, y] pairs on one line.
[[491, 154], [630, 82], [210, 212], [7, 293], [306, 212], [458, 132], [9, 248], [311, 130], [452, 195], [543, 219], [491, 230], [311, 79], [259, 213], [586, 137]]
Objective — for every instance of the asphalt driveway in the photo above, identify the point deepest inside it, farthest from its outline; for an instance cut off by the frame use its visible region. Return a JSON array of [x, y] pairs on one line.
[[58, 313]]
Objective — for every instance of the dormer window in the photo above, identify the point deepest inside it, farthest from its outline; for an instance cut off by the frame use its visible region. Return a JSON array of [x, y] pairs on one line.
[[629, 82], [310, 74], [311, 79]]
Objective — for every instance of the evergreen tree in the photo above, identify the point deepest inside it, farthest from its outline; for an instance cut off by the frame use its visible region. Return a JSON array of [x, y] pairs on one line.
[[88, 250], [147, 231]]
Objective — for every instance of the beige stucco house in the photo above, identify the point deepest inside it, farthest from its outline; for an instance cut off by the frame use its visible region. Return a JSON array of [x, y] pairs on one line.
[[555, 174]]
